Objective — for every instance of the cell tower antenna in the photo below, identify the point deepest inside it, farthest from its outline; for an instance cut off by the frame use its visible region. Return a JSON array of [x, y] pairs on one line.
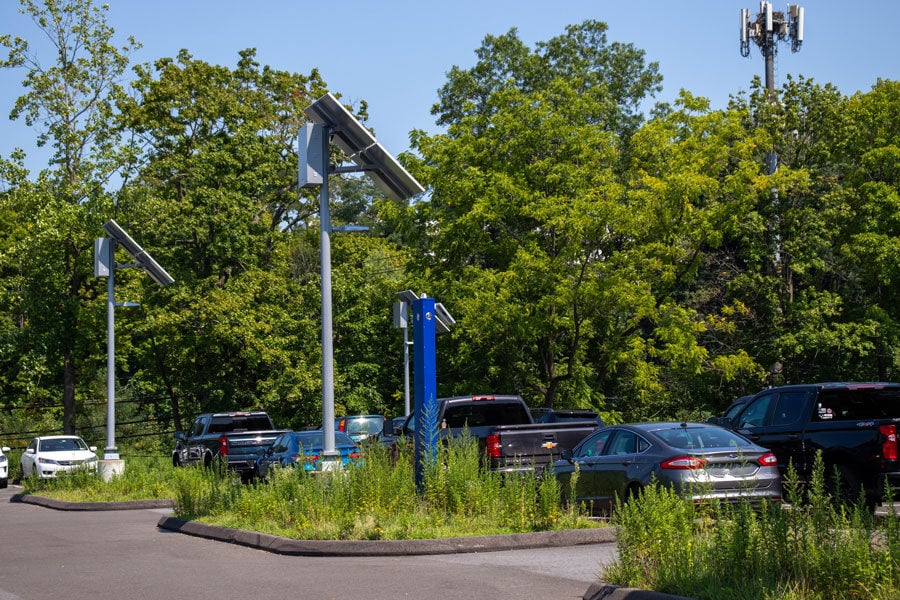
[[769, 28]]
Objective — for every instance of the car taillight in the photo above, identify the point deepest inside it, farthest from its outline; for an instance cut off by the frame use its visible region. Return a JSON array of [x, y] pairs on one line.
[[342, 425], [767, 460], [683, 463], [223, 446], [889, 447], [311, 458], [478, 398], [492, 445], [355, 455]]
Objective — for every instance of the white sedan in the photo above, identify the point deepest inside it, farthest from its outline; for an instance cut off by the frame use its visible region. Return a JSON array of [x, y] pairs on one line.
[[4, 468], [48, 455]]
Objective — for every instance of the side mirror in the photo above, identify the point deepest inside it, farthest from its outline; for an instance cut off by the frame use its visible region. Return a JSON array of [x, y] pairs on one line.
[[567, 455], [29, 451], [4, 449], [180, 436], [92, 448]]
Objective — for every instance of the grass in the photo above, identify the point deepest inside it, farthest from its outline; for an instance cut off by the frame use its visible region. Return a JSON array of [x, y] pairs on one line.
[[375, 500], [379, 500], [813, 549], [145, 478]]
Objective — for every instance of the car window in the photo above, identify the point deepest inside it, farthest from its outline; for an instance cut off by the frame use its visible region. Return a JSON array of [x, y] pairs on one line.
[[594, 445], [489, 413], [755, 414], [197, 428], [789, 408], [310, 440], [698, 438], [860, 403], [63, 445], [280, 444], [624, 442]]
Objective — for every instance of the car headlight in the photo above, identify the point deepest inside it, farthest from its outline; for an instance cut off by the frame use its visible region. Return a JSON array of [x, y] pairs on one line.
[[91, 459], [3, 459], [47, 461]]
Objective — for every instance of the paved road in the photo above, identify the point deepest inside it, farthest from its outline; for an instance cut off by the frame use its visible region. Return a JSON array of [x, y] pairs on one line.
[[114, 555]]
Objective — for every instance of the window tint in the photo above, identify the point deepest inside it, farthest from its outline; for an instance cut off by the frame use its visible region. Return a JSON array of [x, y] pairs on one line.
[[790, 408], [625, 442], [489, 413], [755, 414], [694, 438], [594, 445], [858, 404], [197, 428]]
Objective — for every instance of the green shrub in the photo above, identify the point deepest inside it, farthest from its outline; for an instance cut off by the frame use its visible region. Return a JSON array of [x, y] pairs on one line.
[[812, 548]]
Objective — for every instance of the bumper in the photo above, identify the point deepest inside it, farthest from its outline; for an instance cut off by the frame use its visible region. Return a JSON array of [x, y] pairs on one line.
[[48, 471]]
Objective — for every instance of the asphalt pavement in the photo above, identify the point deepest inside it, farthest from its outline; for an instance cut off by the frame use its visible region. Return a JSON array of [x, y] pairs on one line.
[[52, 553]]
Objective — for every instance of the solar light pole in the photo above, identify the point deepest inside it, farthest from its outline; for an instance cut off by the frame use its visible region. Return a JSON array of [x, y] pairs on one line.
[[105, 266], [331, 121]]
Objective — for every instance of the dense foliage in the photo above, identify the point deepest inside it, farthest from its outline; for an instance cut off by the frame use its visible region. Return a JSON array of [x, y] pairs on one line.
[[594, 258]]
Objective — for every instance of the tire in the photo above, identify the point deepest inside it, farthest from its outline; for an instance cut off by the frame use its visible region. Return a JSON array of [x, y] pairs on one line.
[[4, 483], [176, 460]]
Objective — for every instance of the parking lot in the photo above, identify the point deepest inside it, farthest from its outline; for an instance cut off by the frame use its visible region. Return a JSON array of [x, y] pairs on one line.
[[108, 555]]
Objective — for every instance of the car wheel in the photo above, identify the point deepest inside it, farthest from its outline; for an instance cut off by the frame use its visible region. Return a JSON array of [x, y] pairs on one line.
[[4, 483], [176, 459]]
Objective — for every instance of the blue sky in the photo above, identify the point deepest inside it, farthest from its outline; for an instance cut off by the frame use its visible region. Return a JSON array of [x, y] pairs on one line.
[[395, 53]]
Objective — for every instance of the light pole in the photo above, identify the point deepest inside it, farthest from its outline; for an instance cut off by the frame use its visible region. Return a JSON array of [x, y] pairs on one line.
[[105, 266], [331, 121]]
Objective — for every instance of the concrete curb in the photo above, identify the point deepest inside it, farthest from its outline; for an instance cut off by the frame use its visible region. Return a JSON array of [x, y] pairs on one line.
[[64, 505], [488, 543], [605, 591]]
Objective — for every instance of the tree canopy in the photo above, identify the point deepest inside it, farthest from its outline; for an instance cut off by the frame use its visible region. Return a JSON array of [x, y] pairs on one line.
[[592, 257]]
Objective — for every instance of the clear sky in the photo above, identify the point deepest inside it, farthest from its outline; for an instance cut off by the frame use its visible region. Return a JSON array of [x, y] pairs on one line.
[[395, 53]]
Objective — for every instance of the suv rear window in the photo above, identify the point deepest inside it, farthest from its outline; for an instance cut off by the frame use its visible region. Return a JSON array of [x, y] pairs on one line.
[[856, 404]]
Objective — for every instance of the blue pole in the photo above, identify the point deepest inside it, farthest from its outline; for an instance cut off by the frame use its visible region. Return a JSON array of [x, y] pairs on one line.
[[425, 383]]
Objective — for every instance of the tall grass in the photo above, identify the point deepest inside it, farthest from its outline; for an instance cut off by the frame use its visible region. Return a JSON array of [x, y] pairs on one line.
[[814, 548], [143, 478], [378, 499]]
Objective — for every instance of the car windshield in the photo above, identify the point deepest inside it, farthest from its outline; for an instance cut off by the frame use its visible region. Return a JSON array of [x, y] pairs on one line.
[[63, 445], [364, 425], [693, 438]]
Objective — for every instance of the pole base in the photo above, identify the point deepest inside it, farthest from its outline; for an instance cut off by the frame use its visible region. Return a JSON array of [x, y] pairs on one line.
[[110, 468]]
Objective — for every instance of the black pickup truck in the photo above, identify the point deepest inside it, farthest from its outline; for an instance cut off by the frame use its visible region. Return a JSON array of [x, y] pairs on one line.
[[854, 425], [233, 437], [503, 425]]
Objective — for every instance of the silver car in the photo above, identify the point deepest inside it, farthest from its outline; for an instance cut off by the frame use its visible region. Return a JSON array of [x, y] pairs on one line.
[[699, 460]]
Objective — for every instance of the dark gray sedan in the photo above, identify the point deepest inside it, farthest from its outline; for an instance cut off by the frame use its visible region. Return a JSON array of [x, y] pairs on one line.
[[700, 460]]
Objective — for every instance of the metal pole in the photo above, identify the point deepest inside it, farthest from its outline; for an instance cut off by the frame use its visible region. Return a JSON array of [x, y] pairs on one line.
[[769, 53], [426, 435], [111, 452], [327, 341]]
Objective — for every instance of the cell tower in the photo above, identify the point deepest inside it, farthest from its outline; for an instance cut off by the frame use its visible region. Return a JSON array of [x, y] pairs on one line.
[[769, 28]]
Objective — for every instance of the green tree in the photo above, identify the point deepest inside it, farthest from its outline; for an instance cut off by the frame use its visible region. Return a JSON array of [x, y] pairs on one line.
[[72, 102], [525, 217]]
